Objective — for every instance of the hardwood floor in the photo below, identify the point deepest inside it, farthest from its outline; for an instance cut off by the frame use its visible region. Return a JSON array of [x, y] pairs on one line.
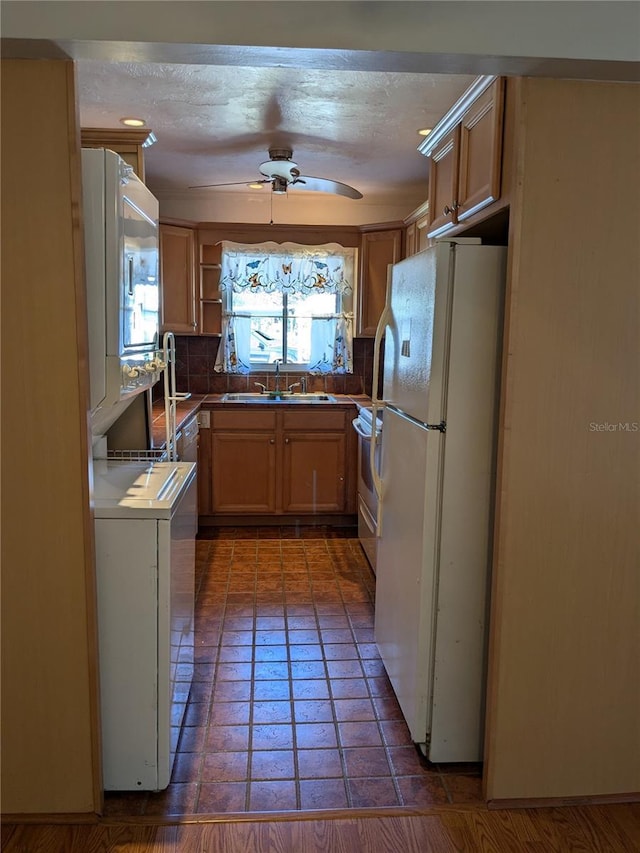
[[474, 829]]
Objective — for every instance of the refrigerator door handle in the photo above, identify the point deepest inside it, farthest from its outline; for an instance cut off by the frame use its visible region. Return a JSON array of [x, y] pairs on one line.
[[441, 427], [383, 322]]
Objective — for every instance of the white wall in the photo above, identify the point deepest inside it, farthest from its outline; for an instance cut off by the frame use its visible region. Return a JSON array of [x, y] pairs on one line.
[[564, 697], [294, 208], [578, 30]]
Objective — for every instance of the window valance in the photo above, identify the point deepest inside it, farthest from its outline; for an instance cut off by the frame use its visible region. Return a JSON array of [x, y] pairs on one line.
[[287, 268]]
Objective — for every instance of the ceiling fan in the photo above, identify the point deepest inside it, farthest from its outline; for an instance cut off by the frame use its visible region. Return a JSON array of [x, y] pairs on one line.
[[281, 172]]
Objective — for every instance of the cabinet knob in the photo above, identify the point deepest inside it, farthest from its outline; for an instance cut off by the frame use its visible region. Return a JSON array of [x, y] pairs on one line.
[[447, 210], [286, 441], [454, 206], [272, 441]]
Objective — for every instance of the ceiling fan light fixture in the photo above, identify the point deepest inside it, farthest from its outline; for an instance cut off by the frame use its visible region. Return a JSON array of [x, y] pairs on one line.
[[279, 185]]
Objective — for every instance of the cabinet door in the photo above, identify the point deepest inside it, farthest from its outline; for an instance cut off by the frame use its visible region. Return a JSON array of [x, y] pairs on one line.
[[479, 169], [443, 178], [314, 472], [243, 472], [204, 472], [127, 142], [177, 274], [410, 240], [378, 250]]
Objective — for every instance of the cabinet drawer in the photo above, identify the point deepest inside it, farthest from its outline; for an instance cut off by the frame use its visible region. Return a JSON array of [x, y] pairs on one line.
[[327, 419], [243, 420]]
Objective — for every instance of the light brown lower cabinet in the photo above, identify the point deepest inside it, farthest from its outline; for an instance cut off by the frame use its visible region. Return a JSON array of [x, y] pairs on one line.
[[244, 472], [314, 473], [281, 461]]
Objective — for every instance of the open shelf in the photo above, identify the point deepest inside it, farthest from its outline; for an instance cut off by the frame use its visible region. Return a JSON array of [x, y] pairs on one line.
[[210, 297]]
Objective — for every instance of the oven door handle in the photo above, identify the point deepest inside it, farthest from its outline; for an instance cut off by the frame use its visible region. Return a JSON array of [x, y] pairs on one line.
[[357, 425]]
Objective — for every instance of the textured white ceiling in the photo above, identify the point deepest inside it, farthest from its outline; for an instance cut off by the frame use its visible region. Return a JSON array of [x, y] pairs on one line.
[[215, 124]]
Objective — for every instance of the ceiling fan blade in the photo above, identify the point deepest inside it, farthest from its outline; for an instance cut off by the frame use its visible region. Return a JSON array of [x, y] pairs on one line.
[[324, 185], [231, 184]]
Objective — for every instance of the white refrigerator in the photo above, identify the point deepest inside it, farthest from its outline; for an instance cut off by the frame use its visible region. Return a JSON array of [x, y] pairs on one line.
[[442, 332]]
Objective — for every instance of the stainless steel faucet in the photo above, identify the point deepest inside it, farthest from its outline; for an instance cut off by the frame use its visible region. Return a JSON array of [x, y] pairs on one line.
[[277, 385], [302, 385]]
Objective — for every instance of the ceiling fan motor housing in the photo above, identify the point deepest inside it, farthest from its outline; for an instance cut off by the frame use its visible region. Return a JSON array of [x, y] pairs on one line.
[[280, 153], [280, 166]]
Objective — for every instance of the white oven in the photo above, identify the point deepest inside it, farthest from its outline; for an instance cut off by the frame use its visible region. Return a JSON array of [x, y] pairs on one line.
[[367, 496]]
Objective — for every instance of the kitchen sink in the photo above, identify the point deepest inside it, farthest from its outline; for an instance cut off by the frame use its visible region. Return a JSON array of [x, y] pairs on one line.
[[281, 397]]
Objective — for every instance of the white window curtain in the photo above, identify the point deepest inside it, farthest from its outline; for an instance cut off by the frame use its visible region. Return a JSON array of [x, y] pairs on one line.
[[235, 344], [287, 267], [331, 344], [294, 269]]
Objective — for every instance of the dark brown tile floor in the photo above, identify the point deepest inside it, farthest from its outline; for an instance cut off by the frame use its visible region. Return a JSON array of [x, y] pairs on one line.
[[290, 707]]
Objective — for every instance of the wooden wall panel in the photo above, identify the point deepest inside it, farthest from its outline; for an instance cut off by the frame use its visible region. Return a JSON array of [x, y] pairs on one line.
[[564, 693], [49, 695]]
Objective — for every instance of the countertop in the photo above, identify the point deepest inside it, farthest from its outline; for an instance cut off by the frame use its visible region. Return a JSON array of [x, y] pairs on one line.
[[211, 401], [186, 409]]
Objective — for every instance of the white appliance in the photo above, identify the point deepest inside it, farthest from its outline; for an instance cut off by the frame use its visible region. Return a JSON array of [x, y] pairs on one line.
[[364, 425], [443, 323], [187, 441], [145, 525], [122, 259]]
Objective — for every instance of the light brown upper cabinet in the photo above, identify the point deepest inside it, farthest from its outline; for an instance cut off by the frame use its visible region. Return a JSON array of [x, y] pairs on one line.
[[378, 249], [415, 236], [177, 276], [465, 154], [127, 142]]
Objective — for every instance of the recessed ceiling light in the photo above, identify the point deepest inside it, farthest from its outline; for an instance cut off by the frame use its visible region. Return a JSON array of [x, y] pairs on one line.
[[133, 122], [425, 131], [255, 186]]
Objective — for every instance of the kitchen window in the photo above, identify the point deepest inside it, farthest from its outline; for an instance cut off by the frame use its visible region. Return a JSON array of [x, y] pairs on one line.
[[288, 303]]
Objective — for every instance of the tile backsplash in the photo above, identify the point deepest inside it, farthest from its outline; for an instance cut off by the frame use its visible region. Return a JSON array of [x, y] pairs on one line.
[[195, 359]]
